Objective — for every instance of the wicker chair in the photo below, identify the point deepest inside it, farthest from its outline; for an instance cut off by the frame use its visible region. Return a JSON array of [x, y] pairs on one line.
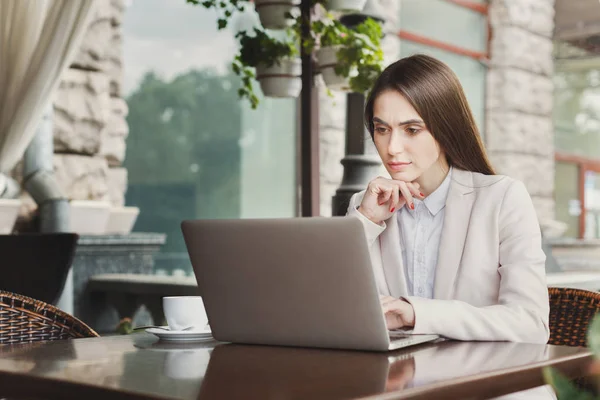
[[571, 312], [26, 320]]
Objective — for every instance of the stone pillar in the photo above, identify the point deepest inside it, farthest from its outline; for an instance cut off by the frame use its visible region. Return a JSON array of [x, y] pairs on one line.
[[332, 141], [332, 116], [90, 125], [519, 133]]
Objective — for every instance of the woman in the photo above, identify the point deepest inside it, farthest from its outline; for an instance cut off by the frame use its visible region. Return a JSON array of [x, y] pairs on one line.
[[456, 249]]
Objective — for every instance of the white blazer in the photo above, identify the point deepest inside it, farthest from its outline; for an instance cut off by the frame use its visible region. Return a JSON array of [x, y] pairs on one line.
[[490, 280]]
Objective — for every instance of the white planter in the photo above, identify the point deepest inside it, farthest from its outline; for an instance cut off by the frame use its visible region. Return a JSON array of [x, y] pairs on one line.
[[346, 5], [327, 60], [272, 12], [9, 210], [89, 217], [121, 220], [283, 80]]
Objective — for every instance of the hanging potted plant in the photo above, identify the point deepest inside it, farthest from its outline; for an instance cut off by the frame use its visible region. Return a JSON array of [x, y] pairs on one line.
[[273, 14], [343, 5], [349, 59], [332, 35], [277, 14], [274, 63]]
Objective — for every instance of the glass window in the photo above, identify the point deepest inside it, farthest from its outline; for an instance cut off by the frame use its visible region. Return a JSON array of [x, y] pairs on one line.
[[446, 22], [471, 73], [566, 196], [194, 149], [577, 111], [592, 205]]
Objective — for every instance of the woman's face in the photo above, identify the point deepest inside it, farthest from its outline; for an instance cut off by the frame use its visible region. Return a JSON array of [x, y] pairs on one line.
[[403, 142]]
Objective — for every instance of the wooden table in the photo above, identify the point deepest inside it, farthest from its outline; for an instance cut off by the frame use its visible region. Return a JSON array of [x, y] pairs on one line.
[[138, 366]]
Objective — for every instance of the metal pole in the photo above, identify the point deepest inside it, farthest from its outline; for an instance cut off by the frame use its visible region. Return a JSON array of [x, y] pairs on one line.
[[41, 184], [308, 131], [359, 164]]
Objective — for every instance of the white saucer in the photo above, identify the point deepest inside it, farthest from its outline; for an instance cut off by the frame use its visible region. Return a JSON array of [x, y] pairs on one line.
[[196, 335]]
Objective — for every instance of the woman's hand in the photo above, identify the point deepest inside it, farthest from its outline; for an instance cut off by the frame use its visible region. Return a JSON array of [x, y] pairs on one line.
[[384, 196], [398, 313], [400, 374]]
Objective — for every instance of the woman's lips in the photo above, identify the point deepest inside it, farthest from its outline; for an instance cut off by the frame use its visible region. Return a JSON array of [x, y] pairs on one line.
[[398, 166]]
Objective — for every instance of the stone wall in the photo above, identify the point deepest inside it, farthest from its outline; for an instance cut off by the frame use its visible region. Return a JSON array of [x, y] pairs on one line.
[[89, 113], [519, 130], [332, 140]]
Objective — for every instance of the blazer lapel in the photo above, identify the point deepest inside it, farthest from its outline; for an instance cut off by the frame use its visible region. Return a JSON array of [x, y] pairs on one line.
[[454, 232], [391, 254]]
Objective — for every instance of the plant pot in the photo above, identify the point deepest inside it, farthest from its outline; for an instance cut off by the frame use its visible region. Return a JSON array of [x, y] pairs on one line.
[[9, 210], [283, 80], [272, 12], [89, 217], [346, 5], [327, 61], [121, 220]]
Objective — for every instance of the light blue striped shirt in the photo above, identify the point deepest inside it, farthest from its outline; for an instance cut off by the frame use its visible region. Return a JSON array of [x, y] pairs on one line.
[[420, 235]]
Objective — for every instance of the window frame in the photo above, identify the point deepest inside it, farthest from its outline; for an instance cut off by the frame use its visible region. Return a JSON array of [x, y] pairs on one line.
[[482, 9], [584, 165]]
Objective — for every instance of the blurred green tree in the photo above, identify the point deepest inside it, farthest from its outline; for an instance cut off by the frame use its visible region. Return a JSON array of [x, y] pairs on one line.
[[183, 154]]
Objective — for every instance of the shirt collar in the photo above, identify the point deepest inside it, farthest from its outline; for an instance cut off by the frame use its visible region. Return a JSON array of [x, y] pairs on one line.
[[436, 201]]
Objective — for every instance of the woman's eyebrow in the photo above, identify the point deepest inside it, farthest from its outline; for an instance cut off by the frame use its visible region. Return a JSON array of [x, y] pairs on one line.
[[407, 122]]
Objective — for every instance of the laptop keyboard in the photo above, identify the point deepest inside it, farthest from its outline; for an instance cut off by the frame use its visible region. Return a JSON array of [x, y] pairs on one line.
[[398, 335]]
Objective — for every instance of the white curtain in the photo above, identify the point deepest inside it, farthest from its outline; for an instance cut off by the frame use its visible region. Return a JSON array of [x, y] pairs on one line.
[[38, 39]]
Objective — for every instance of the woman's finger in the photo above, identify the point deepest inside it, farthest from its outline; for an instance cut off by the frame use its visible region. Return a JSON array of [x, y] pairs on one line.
[[407, 196], [394, 321], [386, 194], [414, 190], [395, 198], [378, 189]]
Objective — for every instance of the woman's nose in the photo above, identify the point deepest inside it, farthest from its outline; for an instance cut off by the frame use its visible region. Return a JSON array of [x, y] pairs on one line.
[[396, 145]]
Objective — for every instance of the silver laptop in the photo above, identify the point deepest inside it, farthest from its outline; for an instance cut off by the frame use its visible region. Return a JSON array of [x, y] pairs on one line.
[[304, 282]]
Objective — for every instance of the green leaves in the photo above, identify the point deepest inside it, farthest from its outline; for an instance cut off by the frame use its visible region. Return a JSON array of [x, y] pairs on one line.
[[225, 9], [593, 337], [258, 49], [247, 76], [563, 387], [360, 57], [262, 48], [124, 326]]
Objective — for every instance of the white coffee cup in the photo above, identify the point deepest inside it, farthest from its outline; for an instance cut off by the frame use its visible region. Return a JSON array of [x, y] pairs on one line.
[[183, 312]]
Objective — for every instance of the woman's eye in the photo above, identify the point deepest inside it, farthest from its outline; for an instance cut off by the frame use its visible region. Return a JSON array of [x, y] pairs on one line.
[[381, 129], [413, 131]]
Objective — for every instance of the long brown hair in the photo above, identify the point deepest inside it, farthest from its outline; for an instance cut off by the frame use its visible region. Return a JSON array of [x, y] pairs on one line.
[[436, 94]]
